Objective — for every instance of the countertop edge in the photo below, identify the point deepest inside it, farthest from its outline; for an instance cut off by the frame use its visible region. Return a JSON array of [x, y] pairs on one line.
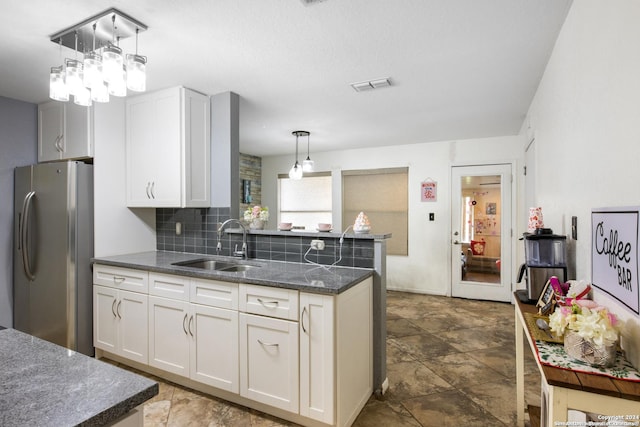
[[166, 267]]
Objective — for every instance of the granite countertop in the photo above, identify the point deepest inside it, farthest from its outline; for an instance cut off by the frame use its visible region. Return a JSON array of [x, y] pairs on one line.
[[45, 384], [290, 275], [313, 233]]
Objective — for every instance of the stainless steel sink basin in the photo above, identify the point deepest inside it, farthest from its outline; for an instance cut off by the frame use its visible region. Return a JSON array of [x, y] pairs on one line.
[[211, 264]]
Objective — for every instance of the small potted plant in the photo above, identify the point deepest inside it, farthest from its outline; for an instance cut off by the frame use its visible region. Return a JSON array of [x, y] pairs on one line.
[[256, 216]]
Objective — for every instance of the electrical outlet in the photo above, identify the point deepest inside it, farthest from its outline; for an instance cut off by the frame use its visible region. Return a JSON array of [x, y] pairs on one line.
[[318, 245]]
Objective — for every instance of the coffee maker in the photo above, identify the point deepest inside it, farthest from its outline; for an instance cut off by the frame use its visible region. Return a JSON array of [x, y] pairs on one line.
[[545, 256]]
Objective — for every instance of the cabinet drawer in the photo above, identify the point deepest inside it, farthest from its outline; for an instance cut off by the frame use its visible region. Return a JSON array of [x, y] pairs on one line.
[[267, 301], [169, 286], [121, 278], [214, 293]]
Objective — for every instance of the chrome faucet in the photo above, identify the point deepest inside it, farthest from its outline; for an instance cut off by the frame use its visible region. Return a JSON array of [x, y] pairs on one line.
[[237, 253]]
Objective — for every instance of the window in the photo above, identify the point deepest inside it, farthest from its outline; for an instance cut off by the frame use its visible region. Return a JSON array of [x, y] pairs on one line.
[[305, 202], [382, 194]]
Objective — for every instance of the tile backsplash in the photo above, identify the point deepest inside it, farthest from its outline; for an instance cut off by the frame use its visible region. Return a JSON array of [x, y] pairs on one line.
[[199, 235]]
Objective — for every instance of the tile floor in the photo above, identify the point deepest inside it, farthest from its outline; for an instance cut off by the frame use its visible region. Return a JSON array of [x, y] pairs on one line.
[[450, 362]]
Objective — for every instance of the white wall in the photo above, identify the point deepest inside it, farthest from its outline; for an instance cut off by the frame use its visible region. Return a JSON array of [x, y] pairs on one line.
[[427, 267], [118, 229], [585, 117]]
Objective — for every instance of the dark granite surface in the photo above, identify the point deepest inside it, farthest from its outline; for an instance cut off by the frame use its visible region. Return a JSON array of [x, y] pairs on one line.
[[299, 276], [316, 234], [43, 384]]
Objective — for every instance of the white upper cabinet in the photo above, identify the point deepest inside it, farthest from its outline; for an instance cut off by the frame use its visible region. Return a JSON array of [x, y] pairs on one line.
[[65, 131], [168, 140]]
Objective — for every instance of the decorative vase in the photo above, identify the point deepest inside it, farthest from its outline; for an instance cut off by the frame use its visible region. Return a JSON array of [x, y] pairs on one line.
[[256, 224], [587, 351]]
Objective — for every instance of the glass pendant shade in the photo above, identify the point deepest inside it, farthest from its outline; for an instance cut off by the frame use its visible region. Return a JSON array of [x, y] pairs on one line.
[[118, 87], [296, 171], [307, 165], [82, 97], [100, 93], [74, 76], [57, 88], [92, 70], [136, 73], [112, 63]]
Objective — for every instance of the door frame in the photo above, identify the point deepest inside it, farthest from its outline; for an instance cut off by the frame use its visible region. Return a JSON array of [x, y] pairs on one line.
[[512, 235]]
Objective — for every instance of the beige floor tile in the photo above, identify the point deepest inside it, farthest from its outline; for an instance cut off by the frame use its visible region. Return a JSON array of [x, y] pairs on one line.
[[411, 379], [459, 369]]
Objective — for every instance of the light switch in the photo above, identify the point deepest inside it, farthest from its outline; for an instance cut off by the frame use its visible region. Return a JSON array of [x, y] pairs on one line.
[[432, 216]]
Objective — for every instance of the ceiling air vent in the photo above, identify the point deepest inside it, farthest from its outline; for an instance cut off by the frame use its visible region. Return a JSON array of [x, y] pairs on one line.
[[371, 84]]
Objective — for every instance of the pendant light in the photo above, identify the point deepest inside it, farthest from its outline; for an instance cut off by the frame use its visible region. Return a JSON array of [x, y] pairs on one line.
[[57, 88], [307, 164], [296, 170], [93, 66], [136, 74], [112, 61], [74, 73]]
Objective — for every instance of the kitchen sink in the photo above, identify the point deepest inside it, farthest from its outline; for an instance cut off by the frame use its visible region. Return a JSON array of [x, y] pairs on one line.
[[211, 264]]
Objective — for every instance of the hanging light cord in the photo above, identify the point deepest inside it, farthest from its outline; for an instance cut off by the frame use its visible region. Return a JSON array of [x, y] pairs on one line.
[[296, 165]]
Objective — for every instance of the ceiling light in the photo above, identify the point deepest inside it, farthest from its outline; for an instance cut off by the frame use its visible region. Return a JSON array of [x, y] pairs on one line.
[[296, 169], [371, 84], [307, 164], [102, 72]]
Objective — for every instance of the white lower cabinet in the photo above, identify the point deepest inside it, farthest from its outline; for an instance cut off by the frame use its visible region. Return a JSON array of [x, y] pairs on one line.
[[194, 341], [317, 357], [308, 356], [120, 322], [269, 361]]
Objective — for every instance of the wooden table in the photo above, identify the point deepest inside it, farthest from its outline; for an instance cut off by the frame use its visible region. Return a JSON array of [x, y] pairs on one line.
[[570, 389]]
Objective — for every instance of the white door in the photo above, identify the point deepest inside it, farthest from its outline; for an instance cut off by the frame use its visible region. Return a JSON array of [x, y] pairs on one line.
[[481, 206]]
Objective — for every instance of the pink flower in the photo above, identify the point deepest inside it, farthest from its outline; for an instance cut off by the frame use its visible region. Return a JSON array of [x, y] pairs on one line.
[[586, 303], [256, 211]]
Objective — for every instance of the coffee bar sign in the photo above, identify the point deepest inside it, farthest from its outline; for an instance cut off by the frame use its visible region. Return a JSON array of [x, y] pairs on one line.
[[614, 253]]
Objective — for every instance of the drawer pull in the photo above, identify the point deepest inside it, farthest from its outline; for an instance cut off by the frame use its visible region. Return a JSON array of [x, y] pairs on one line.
[[190, 323], [113, 308], [269, 344], [271, 304], [118, 280], [184, 328], [118, 309], [304, 309]]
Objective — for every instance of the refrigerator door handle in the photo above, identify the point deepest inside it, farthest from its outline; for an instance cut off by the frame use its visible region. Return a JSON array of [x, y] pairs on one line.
[[24, 235]]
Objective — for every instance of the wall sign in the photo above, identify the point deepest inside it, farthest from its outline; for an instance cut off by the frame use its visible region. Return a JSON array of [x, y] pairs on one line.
[[428, 190], [614, 253]]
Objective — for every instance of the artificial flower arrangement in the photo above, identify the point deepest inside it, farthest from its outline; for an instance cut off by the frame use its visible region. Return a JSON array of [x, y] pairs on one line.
[[588, 319], [256, 212]]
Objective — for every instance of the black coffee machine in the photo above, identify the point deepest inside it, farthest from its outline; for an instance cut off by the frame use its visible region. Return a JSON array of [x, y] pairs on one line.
[[545, 255]]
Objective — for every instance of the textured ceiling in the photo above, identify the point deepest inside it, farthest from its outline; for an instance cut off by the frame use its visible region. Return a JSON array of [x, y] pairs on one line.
[[459, 68]]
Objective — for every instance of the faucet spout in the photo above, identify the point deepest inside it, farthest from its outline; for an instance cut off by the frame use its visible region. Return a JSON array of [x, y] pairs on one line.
[[239, 253]]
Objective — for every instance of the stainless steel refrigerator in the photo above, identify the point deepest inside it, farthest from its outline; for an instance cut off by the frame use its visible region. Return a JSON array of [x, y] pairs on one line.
[[53, 245]]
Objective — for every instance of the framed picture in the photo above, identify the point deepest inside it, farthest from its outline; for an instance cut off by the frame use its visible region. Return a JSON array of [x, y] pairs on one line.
[[428, 191], [547, 299], [492, 208]]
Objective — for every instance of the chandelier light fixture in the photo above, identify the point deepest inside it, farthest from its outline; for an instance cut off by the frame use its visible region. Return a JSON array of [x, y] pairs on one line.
[[103, 70], [296, 169]]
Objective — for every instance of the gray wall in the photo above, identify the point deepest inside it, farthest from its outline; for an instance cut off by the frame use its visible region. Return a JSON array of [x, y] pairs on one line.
[[18, 147]]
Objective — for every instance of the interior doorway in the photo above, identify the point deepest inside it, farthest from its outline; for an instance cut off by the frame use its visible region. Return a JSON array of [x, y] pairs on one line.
[[481, 207]]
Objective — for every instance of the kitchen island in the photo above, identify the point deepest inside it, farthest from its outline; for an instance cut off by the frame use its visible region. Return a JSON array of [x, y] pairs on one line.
[[43, 384], [290, 339]]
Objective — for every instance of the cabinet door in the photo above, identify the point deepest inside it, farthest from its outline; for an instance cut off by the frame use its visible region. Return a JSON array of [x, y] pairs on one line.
[[133, 329], [105, 319], [317, 373], [50, 131], [269, 361], [155, 149], [169, 335], [197, 171], [78, 127], [214, 347]]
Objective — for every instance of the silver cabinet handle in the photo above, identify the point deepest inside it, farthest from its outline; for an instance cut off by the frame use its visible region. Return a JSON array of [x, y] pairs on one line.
[[153, 184], [147, 190], [118, 280], [190, 323], [24, 235], [118, 309], [304, 309], [113, 308], [272, 304], [184, 328], [269, 344], [57, 144]]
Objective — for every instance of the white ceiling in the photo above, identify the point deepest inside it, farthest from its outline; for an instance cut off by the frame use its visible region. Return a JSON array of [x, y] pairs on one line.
[[459, 68]]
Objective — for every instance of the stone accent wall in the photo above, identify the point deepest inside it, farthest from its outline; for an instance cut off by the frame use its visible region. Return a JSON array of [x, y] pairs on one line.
[[250, 170]]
